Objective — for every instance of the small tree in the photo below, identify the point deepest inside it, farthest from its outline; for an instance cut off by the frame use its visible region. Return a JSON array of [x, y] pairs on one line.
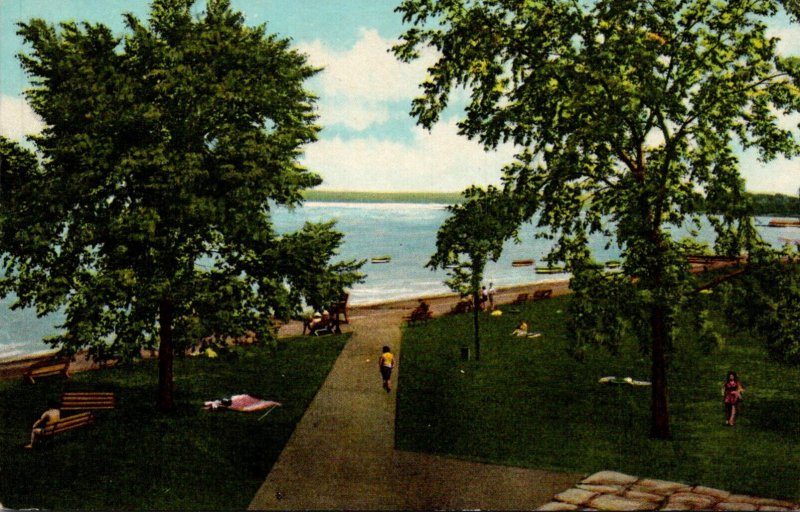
[[164, 152], [625, 113], [472, 235]]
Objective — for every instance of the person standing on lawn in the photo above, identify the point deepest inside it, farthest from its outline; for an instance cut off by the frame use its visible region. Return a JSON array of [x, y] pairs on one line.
[[732, 392], [386, 363]]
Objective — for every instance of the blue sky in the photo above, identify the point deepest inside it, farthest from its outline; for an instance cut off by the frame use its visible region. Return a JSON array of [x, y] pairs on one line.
[[369, 141]]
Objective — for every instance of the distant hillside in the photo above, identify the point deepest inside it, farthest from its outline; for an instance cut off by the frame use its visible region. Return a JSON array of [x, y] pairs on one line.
[[383, 197], [763, 204], [775, 204]]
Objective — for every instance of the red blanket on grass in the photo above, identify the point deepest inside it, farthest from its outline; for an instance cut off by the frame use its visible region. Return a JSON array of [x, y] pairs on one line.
[[243, 403]]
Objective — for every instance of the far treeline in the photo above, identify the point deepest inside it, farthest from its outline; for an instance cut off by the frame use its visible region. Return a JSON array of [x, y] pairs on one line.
[[762, 204], [775, 204]]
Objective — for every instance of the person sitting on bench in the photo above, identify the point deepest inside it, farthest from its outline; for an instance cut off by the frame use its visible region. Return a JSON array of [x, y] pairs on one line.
[[51, 415]]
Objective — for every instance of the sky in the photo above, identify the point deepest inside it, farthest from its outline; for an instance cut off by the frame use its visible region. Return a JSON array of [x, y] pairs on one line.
[[369, 141]]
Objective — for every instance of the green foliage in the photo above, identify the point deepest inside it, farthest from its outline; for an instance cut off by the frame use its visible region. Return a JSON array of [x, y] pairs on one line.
[[766, 302], [164, 152], [472, 235], [627, 114]]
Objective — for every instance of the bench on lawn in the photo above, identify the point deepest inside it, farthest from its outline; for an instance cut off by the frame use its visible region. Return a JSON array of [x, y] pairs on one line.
[[65, 424], [339, 310], [86, 400], [542, 294], [47, 368], [521, 299], [462, 306], [418, 315]]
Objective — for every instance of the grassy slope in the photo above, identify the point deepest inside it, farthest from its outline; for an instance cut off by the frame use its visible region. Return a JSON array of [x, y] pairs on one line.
[[528, 403], [135, 458]]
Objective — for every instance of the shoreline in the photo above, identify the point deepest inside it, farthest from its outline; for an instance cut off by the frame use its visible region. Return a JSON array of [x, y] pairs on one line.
[[15, 366]]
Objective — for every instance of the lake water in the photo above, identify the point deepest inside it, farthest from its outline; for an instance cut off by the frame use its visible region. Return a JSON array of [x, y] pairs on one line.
[[406, 232]]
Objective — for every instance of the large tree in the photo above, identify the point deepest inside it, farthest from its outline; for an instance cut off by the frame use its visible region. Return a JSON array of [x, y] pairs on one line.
[[628, 115], [164, 152]]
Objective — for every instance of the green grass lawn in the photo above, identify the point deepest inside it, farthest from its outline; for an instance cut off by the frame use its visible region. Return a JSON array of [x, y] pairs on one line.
[[529, 403], [135, 458]]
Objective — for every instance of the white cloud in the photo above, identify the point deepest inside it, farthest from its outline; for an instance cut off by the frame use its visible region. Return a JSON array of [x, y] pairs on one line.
[[17, 119], [779, 175], [368, 70], [440, 160], [359, 83], [789, 43]]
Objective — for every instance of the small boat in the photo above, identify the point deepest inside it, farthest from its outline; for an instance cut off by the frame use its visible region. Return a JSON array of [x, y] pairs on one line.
[[787, 240], [549, 270], [783, 223], [522, 263], [381, 259], [613, 264]]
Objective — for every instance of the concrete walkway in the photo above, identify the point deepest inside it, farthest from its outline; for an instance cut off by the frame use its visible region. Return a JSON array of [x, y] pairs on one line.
[[342, 456]]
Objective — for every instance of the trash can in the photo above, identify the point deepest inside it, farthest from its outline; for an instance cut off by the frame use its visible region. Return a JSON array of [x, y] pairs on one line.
[[465, 353]]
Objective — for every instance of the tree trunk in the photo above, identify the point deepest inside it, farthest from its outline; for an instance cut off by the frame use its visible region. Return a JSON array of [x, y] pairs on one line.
[[659, 426], [166, 355], [475, 308]]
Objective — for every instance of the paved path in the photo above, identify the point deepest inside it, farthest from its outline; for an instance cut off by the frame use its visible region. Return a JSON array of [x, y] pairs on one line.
[[342, 456]]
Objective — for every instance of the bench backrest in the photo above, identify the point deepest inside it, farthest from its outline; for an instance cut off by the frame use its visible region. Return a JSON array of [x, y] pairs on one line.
[[88, 400], [48, 367], [66, 423]]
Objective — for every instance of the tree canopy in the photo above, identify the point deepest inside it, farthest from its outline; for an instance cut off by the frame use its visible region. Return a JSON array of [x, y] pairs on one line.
[[164, 152], [627, 115]]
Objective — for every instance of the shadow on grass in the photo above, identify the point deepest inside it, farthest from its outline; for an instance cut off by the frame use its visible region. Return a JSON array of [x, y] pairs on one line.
[[771, 415]]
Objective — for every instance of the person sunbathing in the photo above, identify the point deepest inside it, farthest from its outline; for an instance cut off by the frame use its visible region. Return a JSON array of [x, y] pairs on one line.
[[521, 330]]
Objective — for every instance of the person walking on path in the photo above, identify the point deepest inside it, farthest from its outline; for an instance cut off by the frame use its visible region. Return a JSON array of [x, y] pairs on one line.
[[732, 392], [386, 363]]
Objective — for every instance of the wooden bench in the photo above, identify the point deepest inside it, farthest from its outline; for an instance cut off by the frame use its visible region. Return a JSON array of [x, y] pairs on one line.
[[339, 310], [47, 368], [542, 294], [521, 299], [87, 400], [65, 424], [462, 306], [418, 315]]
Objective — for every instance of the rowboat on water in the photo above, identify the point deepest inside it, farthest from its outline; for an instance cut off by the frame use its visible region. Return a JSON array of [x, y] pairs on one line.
[[613, 264], [783, 223], [381, 259], [549, 270], [522, 263]]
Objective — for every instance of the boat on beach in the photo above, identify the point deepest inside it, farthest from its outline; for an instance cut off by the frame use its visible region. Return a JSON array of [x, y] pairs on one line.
[[783, 223]]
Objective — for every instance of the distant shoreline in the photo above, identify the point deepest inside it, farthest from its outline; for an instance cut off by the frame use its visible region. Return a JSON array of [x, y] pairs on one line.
[[383, 197]]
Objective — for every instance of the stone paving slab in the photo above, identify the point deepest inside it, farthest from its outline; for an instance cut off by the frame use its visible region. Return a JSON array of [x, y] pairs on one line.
[[610, 490]]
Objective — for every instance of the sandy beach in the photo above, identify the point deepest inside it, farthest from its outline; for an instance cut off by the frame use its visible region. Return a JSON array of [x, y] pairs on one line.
[[440, 304]]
